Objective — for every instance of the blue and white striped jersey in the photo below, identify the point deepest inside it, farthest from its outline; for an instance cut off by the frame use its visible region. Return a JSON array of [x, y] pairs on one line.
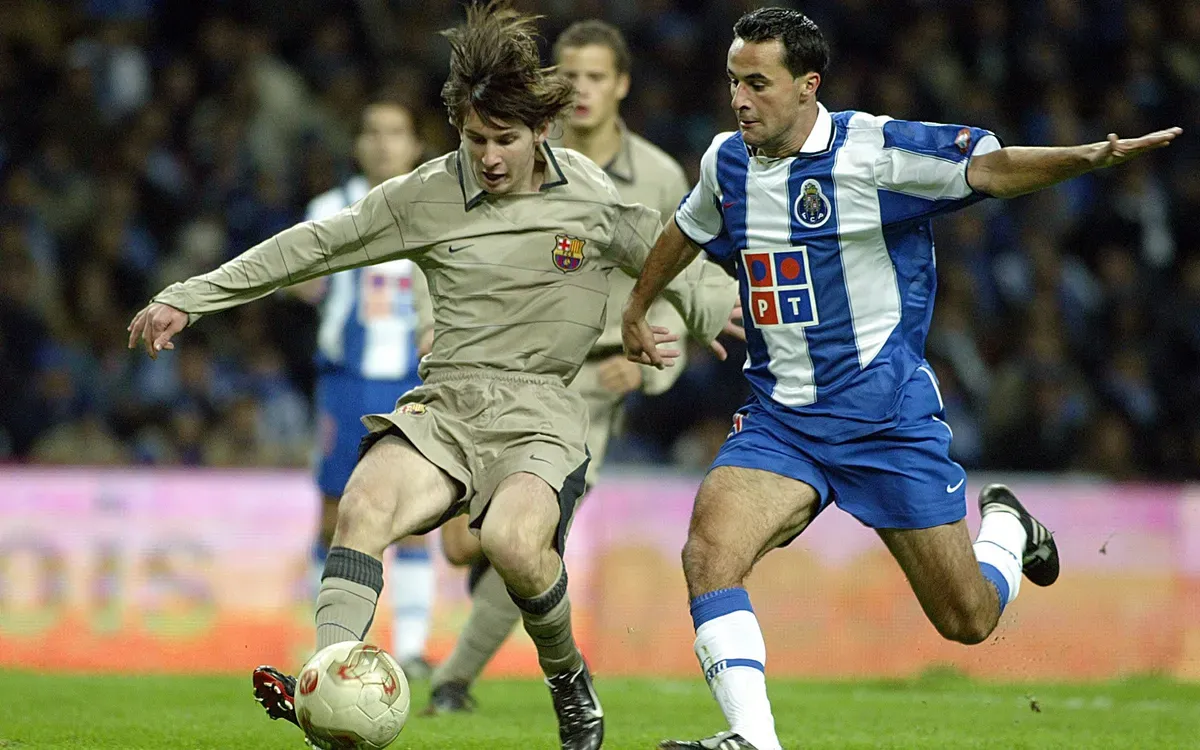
[[834, 251], [368, 315]]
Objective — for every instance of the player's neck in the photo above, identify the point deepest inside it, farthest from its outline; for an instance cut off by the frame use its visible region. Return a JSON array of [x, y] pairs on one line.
[[600, 144], [796, 137]]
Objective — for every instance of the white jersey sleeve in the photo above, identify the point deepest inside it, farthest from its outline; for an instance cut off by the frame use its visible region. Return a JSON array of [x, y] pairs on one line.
[[700, 216]]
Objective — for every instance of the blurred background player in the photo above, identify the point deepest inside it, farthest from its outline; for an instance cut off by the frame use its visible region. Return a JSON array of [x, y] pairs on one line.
[[594, 56], [368, 344]]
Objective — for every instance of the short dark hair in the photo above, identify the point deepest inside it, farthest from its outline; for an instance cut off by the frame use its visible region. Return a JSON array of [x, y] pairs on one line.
[[804, 47], [496, 70], [583, 33], [392, 98]]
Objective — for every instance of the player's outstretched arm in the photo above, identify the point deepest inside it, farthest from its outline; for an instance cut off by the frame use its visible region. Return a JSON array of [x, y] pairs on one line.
[[1016, 170], [367, 232]]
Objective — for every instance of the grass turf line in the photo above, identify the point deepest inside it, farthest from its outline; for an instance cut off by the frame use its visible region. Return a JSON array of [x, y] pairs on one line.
[[59, 712]]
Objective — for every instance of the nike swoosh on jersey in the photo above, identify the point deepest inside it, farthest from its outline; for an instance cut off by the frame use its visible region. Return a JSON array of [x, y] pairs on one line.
[[950, 489], [461, 247]]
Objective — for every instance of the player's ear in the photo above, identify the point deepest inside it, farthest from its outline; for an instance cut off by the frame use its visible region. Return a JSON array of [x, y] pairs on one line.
[[622, 86], [811, 81], [541, 133]]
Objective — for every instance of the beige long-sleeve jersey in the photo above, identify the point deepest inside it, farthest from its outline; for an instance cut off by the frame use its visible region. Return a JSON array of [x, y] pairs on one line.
[[519, 283]]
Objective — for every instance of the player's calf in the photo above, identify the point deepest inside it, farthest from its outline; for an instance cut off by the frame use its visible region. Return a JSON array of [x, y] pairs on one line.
[[944, 572]]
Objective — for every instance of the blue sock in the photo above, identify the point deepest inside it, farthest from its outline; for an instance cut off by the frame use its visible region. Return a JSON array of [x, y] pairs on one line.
[[997, 579]]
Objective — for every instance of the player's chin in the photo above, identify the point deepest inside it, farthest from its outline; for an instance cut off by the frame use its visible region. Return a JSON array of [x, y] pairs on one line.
[[583, 122], [751, 133]]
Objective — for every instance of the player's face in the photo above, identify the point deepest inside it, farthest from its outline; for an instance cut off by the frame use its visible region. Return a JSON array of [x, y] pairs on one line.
[[766, 98], [599, 88], [503, 155], [388, 145]]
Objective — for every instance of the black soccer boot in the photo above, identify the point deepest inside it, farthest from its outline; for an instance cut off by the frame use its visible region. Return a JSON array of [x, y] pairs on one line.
[[580, 718], [720, 741], [1040, 560], [450, 698]]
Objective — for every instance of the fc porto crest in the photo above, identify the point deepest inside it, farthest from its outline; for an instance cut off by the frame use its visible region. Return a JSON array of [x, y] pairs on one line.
[[567, 253], [812, 207], [963, 140]]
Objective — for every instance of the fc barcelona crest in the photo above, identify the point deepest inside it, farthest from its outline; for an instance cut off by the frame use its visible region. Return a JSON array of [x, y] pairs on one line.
[[568, 253], [812, 207]]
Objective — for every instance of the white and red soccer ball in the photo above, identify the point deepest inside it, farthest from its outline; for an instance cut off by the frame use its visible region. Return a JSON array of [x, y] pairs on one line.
[[352, 696]]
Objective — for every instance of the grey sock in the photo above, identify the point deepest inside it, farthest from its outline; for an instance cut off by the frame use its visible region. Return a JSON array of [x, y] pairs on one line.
[[548, 621], [350, 588], [493, 615]]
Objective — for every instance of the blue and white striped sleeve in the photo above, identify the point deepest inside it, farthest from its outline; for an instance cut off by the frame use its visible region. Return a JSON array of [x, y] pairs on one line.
[[699, 214], [924, 166]]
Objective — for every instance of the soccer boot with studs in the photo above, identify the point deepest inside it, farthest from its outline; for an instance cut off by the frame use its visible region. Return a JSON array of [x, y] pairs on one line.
[[1040, 559], [721, 741], [580, 718], [275, 692]]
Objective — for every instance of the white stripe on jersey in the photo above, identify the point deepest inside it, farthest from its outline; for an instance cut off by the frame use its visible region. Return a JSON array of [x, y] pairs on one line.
[[769, 227], [922, 175], [870, 275]]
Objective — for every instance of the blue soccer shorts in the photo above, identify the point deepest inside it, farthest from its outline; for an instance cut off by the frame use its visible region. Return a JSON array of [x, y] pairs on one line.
[[900, 477], [342, 398]]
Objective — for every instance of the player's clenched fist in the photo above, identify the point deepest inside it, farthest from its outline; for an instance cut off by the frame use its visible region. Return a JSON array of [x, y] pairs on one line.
[[155, 325]]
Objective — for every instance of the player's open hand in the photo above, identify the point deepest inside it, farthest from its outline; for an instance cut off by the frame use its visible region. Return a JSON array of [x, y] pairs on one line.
[[641, 342], [733, 327], [1117, 150], [155, 325]]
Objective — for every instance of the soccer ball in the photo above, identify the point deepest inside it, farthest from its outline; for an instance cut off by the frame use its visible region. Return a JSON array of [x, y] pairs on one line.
[[352, 696]]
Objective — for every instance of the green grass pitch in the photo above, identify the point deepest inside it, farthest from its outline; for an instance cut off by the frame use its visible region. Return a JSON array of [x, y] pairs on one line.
[[56, 712]]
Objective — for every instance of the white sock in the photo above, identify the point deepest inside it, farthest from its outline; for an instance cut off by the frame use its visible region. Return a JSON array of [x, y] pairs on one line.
[[411, 582], [733, 655], [999, 549]]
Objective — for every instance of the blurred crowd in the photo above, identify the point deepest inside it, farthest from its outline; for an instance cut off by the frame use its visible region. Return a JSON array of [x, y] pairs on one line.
[[143, 141]]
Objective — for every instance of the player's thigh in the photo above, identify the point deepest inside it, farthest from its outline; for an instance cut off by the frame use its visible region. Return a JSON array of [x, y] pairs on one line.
[[740, 514], [459, 545], [940, 565], [393, 492]]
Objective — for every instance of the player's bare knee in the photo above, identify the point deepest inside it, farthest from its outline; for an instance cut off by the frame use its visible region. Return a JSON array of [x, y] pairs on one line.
[[709, 566], [364, 519], [968, 627], [514, 551]]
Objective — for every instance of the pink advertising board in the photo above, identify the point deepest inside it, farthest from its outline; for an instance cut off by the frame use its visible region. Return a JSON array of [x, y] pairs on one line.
[[171, 571]]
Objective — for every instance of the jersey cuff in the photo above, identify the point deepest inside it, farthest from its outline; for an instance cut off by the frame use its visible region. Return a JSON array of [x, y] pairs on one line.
[[691, 232]]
